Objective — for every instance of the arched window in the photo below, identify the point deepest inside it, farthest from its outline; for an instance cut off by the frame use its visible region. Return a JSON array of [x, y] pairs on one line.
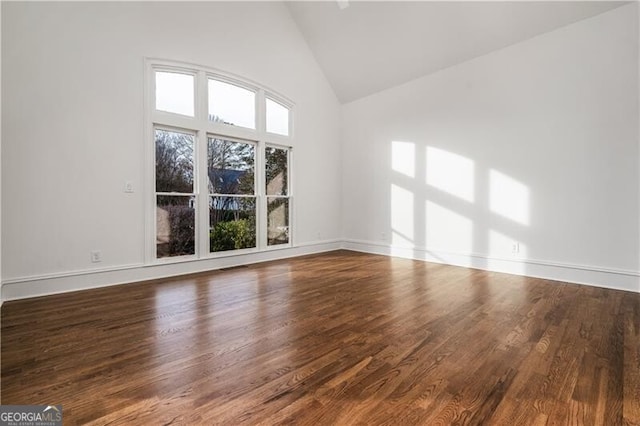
[[219, 163]]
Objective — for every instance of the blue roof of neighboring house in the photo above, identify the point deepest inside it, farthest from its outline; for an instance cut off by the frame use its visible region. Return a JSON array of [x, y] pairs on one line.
[[225, 181]]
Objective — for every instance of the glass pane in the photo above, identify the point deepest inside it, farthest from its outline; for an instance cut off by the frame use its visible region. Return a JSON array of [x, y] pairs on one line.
[[175, 225], [174, 161], [231, 104], [276, 161], [277, 221], [277, 118], [230, 167], [233, 223], [174, 92]]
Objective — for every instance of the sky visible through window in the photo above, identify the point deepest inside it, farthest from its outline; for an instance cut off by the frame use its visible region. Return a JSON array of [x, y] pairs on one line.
[[227, 103], [174, 93], [232, 104], [277, 118]]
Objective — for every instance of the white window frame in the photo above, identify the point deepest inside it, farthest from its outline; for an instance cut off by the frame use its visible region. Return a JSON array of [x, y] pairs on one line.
[[202, 128]]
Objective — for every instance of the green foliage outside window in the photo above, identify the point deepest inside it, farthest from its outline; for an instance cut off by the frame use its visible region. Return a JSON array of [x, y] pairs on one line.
[[233, 235]]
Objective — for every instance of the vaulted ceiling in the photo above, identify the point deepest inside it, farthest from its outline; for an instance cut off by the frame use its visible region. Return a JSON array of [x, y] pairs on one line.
[[371, 46]]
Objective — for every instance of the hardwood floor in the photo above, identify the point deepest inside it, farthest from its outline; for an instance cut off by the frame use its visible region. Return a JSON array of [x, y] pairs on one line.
[[337, 338]]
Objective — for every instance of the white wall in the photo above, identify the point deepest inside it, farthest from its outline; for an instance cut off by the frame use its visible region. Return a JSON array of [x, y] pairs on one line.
[[72, 91], [555, 118], [536, 143], [1, 299]]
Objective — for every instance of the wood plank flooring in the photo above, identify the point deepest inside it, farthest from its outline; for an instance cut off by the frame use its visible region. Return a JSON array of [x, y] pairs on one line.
[[333, 339]]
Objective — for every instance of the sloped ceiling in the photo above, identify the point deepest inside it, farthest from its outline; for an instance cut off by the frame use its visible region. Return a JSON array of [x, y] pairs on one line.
[[371, 46]]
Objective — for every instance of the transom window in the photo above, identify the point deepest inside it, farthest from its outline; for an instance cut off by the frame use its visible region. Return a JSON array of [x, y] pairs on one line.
[[221, 164], [174, 93], [231, 104]]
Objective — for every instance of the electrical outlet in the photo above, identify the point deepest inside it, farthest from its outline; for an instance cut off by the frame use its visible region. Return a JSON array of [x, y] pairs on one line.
[[515, 248], [96, 256]]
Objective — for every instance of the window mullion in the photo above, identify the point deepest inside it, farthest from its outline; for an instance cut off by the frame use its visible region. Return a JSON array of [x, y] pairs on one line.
[[261, 199], [202, 222], [202, 189], [261, 114]]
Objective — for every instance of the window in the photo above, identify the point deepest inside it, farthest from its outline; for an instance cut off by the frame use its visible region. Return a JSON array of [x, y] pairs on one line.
[[221, 164], [175, 212], [231, 104], [277, 118], [174, 93], [277, 190], [232, 211]]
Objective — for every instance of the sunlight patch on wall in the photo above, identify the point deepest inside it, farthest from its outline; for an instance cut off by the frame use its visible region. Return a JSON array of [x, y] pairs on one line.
[[402, 217], [403, 158], [447, 230], [451, 173], [508, 197]]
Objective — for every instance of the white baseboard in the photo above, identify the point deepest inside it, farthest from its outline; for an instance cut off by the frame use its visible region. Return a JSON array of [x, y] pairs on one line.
[[43, 285], [23, 288], [595, 276]]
